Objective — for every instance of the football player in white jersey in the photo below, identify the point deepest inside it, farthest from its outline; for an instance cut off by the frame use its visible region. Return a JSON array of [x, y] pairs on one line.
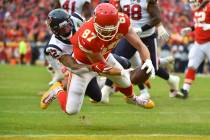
[[81, 7], [145, 19], [80, 10], [63, 26]]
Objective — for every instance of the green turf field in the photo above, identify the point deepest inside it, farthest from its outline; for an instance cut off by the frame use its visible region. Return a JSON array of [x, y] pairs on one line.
[[21, 118]]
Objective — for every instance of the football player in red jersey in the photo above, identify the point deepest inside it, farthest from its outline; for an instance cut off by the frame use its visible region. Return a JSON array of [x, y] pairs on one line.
[[92, 46], [145, 19], [201, 48]]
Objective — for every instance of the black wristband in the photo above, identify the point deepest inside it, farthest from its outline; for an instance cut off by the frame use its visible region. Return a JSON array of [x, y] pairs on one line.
[[146, 27]]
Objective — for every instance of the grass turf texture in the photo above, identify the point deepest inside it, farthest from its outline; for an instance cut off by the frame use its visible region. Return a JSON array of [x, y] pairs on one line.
[[21, 117]]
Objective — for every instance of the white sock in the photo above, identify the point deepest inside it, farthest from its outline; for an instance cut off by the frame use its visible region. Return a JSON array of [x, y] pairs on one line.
[[186, 86], [144, 93]]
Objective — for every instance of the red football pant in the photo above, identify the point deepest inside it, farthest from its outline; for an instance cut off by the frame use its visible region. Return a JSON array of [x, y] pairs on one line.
[[126, 91], [62, 99], [189, 76]]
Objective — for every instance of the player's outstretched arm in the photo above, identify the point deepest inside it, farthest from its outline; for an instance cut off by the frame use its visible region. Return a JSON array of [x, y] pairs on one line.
[[70, 62], [136, 42], [100, 66]]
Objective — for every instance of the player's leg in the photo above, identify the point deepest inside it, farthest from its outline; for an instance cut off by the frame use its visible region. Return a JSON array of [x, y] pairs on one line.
[[76, 91], [173, 81], [57, 91], [108, 88], [196, 56], [135, 62], [124, 84], [93, 90], [56, 66]]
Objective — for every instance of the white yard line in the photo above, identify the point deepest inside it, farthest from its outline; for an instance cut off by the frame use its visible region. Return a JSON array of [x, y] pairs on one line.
[[104, 112], [82, 135]]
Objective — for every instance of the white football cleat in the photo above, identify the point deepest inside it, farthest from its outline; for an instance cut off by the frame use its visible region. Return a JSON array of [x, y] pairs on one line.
[[173, 82], [106, 92]]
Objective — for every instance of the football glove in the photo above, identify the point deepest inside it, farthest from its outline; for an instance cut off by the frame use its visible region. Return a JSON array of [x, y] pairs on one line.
[[138, 31], [185, 30], [148, 66], [162, 33]]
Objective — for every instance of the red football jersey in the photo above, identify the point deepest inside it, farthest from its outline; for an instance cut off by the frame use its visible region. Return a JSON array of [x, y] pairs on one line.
[[202, 16], [86, 40]]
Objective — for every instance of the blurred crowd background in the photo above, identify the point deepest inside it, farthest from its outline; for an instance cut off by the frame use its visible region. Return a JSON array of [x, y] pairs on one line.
[[23, 32]]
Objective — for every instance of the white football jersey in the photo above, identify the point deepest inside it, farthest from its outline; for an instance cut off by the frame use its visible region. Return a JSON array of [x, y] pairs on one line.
[[137, 11], [73, 5]]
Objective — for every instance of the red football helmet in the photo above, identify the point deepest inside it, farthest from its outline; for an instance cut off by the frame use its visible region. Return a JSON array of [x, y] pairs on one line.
[[106, 21], [195, 4]]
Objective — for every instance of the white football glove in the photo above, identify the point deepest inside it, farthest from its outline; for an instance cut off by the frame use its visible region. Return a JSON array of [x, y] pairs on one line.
[[138, 31], [185, 30], [149, 67], [162, 33], [205, 26]]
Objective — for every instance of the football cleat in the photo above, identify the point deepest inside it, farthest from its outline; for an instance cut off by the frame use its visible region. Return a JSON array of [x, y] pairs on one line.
[[50, 95], [106, 92], [184, 93], [146, 103], [173, 82], [175, 93]]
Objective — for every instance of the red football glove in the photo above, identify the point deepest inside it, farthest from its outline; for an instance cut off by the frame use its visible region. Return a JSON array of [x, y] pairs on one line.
[[100, 67]]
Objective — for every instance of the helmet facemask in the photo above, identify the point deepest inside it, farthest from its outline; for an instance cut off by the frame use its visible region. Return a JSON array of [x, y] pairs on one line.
[[63, 29], [194, 4], [106, 33]]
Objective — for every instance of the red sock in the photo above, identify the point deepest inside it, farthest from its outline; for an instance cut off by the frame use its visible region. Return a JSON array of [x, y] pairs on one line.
[[126, 91], [190, 75], [62, 99]]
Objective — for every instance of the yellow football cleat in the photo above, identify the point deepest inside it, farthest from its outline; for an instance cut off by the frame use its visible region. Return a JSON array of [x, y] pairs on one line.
[[149, 104], [146, 103], [50, 95]]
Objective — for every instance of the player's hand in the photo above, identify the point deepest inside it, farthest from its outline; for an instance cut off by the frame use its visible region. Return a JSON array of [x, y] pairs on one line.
[[162, 33], [148, 66], [100, 67], [185, 30], [138, 31]]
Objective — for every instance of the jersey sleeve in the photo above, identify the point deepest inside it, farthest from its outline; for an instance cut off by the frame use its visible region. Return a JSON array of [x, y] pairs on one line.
[[53, 51], [125, 24]]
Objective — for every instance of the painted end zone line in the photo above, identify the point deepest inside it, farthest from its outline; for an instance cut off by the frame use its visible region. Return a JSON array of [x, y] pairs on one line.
[[108, 135]]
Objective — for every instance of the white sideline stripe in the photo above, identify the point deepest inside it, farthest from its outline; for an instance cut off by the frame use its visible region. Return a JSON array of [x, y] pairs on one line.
[[35, 97], [104, 112], [129, 135]]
